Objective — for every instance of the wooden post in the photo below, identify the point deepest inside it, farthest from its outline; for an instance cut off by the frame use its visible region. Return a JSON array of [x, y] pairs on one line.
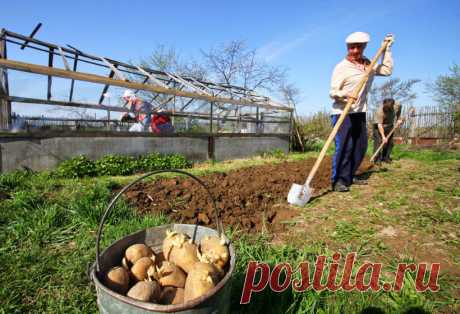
[[291, 133], [50, 64], [5, 104], [257, 120], [210, 118], [72, 84]]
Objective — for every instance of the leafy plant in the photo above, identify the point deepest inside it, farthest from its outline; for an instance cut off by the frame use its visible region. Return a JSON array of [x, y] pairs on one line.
[[177, 161], [115, 165], [276, 153], [152, 162], [112, 165], [77, 167]]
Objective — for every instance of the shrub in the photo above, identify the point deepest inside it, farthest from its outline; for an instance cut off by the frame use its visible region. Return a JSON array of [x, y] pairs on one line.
[[151, 162], [113, 165], [77, 167], [177, 161], [156, 161], [116, 165]]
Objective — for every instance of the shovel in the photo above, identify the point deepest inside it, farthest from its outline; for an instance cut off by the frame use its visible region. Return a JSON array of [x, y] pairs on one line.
[[411, 112], [300, 194]]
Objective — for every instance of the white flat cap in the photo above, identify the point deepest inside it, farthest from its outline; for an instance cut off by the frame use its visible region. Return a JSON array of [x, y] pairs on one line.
[[358, 37], [128, 93]]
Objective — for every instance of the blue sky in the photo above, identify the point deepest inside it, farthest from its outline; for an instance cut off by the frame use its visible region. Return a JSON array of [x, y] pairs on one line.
[[307, 37]]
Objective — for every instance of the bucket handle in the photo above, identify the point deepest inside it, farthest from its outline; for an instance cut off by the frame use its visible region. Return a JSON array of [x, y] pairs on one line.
[[113, 201]]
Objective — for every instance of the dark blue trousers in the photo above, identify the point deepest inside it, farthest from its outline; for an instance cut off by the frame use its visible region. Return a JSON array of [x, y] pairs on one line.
[[350, 147]]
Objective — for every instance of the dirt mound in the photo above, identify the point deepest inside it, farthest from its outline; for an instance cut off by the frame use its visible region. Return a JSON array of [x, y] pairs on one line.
[[250, 199]]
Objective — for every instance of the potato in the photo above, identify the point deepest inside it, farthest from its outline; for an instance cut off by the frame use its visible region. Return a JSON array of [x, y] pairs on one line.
[[179, 249], [184, 256], [137, 251], [171, 275], [215, 250], [117, 279], [173, 238], [139, 269], [147, 291], [172, 295], [201, 278]]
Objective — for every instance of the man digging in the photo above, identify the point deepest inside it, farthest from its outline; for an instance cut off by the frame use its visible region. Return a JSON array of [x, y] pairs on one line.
[[351, 138], [386, 117]]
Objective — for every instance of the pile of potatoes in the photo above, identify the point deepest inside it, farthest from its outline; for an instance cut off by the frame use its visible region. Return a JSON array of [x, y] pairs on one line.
[[182, 272]]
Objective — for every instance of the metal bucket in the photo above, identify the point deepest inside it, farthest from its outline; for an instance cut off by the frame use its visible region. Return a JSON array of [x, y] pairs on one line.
[[217, 300]]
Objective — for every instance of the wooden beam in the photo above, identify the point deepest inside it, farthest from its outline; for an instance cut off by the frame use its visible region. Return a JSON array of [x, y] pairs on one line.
[[152, 77], [31, 35], [64, 60], [118, 74], [106, 88], [72, 84], [186, 105], [5, 104], [72, 49], [50, 77], [199, 115], [210, 118], [38, 69]]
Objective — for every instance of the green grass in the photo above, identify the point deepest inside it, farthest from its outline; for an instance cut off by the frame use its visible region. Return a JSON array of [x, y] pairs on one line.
[[426, 155], [47, 236]]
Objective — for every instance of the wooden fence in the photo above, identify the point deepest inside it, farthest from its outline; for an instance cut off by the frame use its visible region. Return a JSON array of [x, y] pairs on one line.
[[428, 122]]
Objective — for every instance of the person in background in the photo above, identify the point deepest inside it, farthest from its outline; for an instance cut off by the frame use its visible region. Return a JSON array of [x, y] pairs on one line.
[[386, 117], [351, 139], [161, 123], [141, 109]]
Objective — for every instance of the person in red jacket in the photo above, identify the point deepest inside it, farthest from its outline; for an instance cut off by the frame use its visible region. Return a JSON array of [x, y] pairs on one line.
[[161, 123]]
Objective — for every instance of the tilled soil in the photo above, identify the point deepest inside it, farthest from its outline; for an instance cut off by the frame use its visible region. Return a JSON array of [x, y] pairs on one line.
[[250, 199]]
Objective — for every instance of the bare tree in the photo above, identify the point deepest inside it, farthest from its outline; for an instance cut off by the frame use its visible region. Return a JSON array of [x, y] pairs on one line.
[[233, 63], [395, 88], [166, 59], [290, 93]]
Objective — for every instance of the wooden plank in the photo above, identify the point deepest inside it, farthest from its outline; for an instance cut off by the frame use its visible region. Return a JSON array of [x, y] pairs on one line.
[[72, 84], [50, 77], [38, 69]]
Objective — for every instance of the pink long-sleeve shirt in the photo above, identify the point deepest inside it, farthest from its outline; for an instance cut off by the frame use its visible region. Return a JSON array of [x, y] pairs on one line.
[[346, 77]]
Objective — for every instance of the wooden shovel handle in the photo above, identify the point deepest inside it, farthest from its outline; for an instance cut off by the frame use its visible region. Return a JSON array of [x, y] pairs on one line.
[[383, 144], [350, 102]]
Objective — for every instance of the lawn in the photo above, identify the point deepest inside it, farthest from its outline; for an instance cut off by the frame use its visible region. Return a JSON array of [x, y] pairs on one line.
[[409, 212]]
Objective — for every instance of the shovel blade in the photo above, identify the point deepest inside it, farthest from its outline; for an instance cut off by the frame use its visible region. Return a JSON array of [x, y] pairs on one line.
[[299, 195]]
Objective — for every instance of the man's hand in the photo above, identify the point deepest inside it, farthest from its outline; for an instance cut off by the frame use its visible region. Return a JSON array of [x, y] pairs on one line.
[[352, 99], [398, 123], [390, 39], [384, 139]]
